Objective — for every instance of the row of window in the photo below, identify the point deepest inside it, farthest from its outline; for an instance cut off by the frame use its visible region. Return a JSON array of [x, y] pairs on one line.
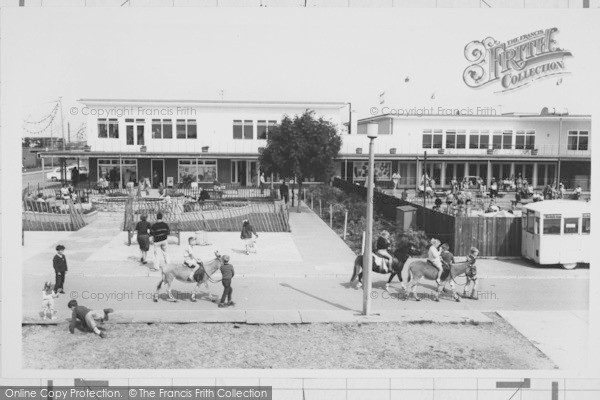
[[244, 129], [501, 139], [184, 129], [552, 224], [478, 139]]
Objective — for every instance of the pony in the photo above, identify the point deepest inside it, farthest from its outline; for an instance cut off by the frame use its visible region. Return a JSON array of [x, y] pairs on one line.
[[399, 258], [418, 268], [182, 273]]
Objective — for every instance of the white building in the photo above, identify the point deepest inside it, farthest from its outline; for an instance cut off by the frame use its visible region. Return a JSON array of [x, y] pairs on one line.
[[536, 147], [169, 140], [179, 140]]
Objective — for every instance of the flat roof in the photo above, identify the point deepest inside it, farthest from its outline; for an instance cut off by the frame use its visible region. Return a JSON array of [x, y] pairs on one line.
[[560, 206], [473, 116], [218, 102]]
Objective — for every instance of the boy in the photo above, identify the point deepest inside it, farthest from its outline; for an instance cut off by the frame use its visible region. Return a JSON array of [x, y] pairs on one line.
[[159, 232], [227, 272], [447, 257], [88, 317], [189, 259], [60, 269], [472, 270]]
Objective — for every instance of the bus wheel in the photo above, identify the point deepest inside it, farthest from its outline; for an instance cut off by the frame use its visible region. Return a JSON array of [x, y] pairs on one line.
[[569, 266]]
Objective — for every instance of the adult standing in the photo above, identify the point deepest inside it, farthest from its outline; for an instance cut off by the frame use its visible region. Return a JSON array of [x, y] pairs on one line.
[[396, 179], [113, 177], [75, 176], [59, 262], [142, 229], [159, 233], [263, 182], [284, 191], [561, 191]]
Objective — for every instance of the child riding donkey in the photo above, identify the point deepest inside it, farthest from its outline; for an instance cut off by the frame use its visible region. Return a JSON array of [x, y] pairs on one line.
[[190, 259]]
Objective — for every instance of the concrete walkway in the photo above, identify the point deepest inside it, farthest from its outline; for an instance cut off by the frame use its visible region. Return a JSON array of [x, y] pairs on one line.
[[561, 335], [231, 315], [311, 249]]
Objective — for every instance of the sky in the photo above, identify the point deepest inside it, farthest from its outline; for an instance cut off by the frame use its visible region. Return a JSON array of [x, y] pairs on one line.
[[345, 55]]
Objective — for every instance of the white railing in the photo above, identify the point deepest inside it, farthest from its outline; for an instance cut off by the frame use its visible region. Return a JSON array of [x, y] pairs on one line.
[[402, 149]]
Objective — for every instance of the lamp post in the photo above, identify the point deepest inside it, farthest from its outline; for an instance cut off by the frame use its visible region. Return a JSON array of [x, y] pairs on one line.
[[372, 131]]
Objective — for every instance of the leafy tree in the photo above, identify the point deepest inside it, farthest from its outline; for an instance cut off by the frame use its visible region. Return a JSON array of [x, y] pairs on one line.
[[303, 147], [412, 241]]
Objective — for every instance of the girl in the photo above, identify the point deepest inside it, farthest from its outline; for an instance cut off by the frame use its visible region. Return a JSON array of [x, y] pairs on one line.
[[246, 236], [48, 296], [434, 257]]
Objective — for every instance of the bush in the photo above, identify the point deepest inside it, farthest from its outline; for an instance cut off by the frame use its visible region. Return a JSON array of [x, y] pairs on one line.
[[186, 180]]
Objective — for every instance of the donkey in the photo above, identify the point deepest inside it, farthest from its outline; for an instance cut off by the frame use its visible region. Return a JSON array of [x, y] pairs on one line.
[[182, 273]]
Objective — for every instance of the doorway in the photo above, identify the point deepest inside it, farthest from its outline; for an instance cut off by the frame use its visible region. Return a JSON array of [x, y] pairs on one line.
[[158, 173], [244, 172]]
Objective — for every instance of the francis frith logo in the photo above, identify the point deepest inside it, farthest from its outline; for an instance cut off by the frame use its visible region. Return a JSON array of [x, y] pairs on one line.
[[516, 62]]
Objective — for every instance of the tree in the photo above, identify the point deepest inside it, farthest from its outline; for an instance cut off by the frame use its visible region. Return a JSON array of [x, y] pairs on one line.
[[301, 148]]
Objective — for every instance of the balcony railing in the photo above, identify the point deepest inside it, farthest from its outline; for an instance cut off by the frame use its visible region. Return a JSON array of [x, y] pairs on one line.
[[514, 151]]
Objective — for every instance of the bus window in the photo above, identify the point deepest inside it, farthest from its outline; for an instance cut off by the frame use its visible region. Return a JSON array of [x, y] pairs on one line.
[[571, 225], [536, 226], [585, 224], [552, 225], [530, 219]]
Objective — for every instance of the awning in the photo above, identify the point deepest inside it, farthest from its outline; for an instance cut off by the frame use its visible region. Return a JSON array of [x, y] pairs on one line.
[[111, 154]]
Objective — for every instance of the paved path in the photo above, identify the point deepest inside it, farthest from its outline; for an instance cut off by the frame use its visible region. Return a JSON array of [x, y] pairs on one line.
[[561, 335], [300, 276]]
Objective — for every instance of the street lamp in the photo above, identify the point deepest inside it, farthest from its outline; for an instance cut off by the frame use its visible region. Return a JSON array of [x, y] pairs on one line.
[[372, 132]]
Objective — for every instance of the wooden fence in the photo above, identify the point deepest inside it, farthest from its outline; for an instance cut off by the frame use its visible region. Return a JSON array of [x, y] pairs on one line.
[[216, 216], [493, 236], [42, 216]]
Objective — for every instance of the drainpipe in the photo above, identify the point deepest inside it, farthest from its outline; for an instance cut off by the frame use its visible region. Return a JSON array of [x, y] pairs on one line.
[[559, 142], [349, 118]]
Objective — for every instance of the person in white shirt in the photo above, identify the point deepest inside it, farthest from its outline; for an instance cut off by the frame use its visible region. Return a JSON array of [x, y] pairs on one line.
[[396, 179], [189, 258], [434, 257]]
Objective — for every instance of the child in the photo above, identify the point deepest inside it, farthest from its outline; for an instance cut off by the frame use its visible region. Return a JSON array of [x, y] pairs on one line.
[[382, 249], [60, 268], [227, 272], [433, 256], [447, 256], [246, 236], [471, 272], [88, 317], [48, 296], [189, 259]]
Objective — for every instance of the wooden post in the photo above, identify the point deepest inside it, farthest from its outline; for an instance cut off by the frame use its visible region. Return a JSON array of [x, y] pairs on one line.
[[331, 216], [312, 206], [345, 223], [320, 208]]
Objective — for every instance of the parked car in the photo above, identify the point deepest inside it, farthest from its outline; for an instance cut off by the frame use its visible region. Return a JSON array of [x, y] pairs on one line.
[[54, 175]]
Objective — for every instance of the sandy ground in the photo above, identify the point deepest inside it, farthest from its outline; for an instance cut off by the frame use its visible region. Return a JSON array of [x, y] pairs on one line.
[[344, 346]]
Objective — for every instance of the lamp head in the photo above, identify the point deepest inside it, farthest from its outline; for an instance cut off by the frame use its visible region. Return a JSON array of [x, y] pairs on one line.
[[372, 130]]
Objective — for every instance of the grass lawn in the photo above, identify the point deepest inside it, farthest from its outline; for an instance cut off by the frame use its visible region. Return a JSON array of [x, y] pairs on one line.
[[344, 346]]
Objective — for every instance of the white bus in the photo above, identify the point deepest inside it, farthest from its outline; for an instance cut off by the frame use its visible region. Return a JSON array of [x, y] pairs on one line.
[[556, 232]]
